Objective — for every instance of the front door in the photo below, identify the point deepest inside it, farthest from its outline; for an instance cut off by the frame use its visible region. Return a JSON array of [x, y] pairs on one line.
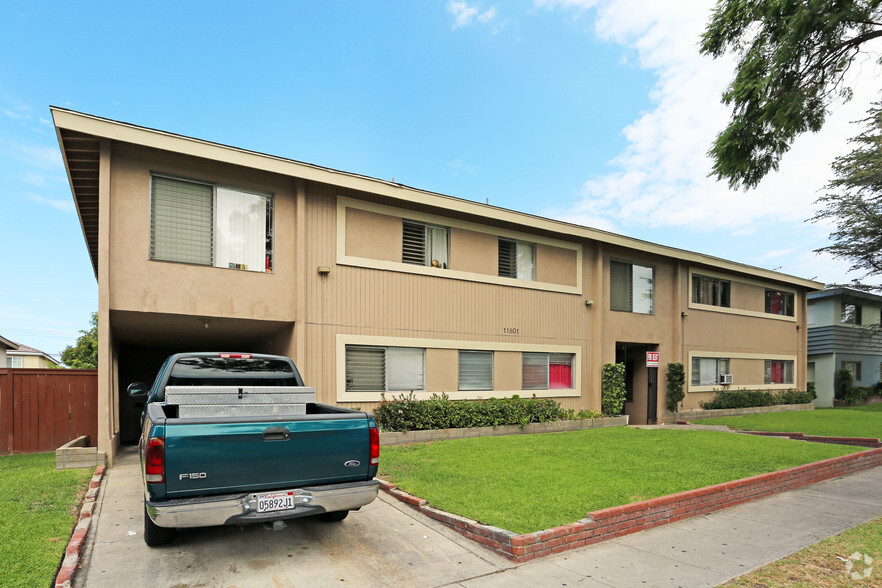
[[652, 396]]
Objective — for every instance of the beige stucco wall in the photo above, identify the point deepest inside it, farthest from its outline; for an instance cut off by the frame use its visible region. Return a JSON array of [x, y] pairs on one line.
[[555, 265], [372, 235], [471, 251]]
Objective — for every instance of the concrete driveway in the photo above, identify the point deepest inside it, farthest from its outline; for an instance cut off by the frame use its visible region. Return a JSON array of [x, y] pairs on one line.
[[383, 544]]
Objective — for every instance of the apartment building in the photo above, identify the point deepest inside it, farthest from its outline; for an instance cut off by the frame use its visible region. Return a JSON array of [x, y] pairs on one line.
[[375, 288]]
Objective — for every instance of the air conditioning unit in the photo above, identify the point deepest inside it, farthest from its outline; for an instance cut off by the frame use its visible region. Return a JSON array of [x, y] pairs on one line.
[[726, 378]]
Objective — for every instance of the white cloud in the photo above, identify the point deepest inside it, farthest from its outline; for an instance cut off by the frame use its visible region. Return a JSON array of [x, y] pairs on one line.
[[661, 177], [62, 205], [466, 14]]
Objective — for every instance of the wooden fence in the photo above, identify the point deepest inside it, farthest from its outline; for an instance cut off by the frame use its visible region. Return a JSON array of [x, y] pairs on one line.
[[41, 410]]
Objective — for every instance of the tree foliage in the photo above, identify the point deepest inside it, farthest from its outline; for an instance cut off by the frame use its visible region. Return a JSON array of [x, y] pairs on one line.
[[676, 378], [792, 57], [84, 355], [853, 202]]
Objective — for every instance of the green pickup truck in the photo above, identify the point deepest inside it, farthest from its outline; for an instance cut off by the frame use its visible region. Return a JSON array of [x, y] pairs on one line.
[[235, 438]]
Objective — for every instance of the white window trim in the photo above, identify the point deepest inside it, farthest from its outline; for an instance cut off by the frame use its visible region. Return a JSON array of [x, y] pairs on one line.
[[427, 344], [742, 384], [344, 202], [733, 279]]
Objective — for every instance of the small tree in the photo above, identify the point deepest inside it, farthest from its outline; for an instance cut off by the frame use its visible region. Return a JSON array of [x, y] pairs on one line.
[[612, 389], [84, 355], [676, 377]]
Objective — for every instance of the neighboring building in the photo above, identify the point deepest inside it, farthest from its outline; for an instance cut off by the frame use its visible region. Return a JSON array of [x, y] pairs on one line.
[[843, 332], [5, 346], [377, 288], [28, 357]]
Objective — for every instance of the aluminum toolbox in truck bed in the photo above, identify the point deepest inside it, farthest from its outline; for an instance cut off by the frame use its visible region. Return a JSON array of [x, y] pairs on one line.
[[231, 401]]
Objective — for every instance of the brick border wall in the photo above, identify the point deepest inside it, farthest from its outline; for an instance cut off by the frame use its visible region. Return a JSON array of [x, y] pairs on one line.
[[70, 565], [611, 523], [855, 441]]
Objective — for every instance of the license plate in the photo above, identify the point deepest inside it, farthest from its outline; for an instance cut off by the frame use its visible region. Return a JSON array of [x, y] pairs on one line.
[[275, 501]]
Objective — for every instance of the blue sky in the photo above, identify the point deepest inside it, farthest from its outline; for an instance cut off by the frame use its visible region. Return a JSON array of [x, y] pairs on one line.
[[598, 112]]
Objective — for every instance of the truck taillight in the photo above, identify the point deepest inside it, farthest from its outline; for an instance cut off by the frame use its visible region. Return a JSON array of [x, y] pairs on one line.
[[154, 460], [375, 446], [234, 355]]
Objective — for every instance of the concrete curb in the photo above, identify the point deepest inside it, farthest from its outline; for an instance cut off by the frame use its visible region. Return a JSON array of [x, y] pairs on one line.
[[71, 562], [611, 523]]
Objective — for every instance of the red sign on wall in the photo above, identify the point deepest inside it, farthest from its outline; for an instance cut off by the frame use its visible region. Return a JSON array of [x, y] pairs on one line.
[[652, 359]]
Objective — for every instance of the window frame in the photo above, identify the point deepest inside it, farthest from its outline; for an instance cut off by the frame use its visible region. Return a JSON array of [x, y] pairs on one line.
[[719, 362], [549, 360], [854, 317], [855, 368], [268, 264], [386, 367], [788, 367], [10, 361], [428, 244], [475, 353], [788, 302], [513, 268], [719, 289], [630, 286]]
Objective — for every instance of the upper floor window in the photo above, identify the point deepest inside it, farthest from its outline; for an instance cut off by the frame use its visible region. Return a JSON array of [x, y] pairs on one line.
[[851, 314], [475, 370], [210, 225], [546, 371], [517, 259], [380, 369], [778, 372], [779, 302], [424, 244], [706, 371], [631, 287], [13, 362], [713, 291]]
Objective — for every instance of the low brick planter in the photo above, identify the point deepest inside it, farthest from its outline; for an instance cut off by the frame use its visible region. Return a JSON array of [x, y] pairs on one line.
[[700, 413], [611, 523], [399, 438], [855, 441], [77, 454]]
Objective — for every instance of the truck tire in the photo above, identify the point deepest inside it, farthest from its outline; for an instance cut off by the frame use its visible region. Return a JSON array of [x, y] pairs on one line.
[[334, 517], [155, 535]]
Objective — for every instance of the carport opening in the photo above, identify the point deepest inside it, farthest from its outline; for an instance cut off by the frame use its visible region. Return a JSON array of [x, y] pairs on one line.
[[143, 341]]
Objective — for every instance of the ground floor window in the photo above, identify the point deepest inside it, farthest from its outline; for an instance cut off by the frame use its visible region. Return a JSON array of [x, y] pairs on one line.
[[778, 371], [547, 371], [382, 369], [855, 368], [475, 370], [706, 371]]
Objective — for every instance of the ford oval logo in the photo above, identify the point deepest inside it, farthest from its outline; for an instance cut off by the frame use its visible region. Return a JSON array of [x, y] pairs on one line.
[[352, 463]]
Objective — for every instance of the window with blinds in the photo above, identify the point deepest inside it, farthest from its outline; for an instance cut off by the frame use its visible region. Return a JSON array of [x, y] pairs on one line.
[[546, 371], [381, 369], [779, 302], [713, 291], [778, 371], [706, 371], [210, 225], [631, 287], [424, 244], [476, 370], [517, 259]]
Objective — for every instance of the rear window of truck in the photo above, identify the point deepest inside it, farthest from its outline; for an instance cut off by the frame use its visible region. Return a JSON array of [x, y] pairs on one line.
[[228, 371]]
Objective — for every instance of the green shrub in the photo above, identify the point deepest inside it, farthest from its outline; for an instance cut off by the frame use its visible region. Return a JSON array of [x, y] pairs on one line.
[[405, 413], [811, 389], [844, 384], [676, 377], [857, 395], [588, 414], [612, 389], [743, 398]]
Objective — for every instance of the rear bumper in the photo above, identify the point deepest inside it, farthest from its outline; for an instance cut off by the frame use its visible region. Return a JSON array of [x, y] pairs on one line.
[[231, 509]]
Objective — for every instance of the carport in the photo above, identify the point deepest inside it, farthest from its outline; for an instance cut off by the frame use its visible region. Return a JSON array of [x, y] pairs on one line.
[[143, 340]]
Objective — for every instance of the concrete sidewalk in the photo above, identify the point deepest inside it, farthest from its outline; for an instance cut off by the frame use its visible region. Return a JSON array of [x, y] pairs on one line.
[[387, 543]]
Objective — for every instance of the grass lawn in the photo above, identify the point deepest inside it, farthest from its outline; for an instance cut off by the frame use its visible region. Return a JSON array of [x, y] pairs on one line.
[[38, 508], [859, 421], [525, 483], [822, 564]]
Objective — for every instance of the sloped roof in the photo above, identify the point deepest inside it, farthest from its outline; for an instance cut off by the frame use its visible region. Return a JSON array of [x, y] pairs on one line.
[[31, 351], [7, 343]]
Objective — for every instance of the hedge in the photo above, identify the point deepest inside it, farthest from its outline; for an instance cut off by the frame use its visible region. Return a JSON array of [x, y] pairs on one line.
[[742, 398], [405, 413]]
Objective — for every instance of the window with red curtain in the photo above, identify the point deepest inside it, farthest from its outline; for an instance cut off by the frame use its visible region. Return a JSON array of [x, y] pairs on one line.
[[777, 372], [560, 375]]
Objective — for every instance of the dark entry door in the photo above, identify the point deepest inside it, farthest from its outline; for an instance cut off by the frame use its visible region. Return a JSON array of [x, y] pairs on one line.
[[652, 395]]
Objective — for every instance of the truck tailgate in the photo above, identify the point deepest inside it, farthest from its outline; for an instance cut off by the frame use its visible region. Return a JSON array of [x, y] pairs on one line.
[[218, 457]]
